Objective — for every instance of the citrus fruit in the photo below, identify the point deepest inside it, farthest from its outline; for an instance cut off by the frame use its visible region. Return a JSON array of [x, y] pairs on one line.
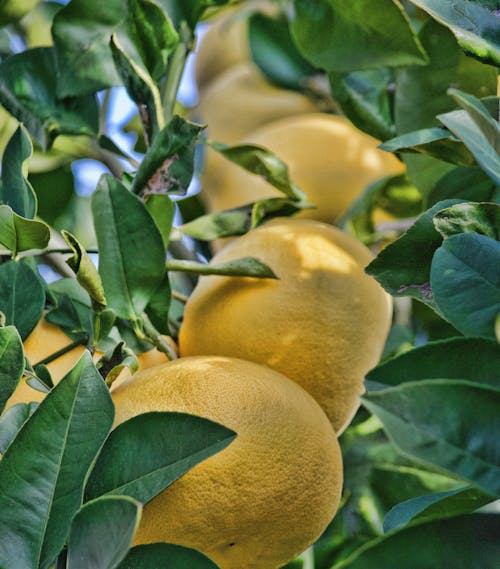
[[323, 324], [269, 494], [327, 156]]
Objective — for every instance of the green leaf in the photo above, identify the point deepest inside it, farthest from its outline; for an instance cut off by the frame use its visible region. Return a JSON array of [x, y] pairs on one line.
[[54, 190], [102, 532], [43, 471], [445, 359], [154, 555], [20, 234], [86, 272], [481, 218], [162, 210], [421, 92], [466, 542], [435, 506], [13, 10], [365, 98], [436, 142], [343, 37], [436, 421], [12, 421], [15, 190], [169, 164], [147, 453], [11, 363], [159, 306], [28, 92], [474, 25], [190, 11], [480, 134], [125, 231], [464, 183], [22, 296], [403, 267], [465, 281], [244, 267], [274, 51], [260, 161]]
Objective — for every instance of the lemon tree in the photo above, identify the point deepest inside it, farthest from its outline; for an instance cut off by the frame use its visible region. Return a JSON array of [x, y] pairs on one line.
[[323, 393]]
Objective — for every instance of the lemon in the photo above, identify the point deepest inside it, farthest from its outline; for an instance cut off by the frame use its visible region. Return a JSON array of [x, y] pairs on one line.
[[327, 156], [271, 492], [323, 324]]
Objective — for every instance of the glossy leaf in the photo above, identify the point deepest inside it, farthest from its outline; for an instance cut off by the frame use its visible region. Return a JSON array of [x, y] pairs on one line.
[[274, 51], [190, 11], [244, 267], [20, 234], [262, 162], [169, 164], [102, 532], [445, 359], [11, 362], [366, 99], [125, 230], [466, 542], [54, 190], [162, 210], [343, 37], [159, 306], [147, 453], [466, 184], [15, 190], [167, 555], [436, 422], [22, 296], [441, 505], [28, 92], [86, 272], [482, 218], [12, 421], [465, 281], [474, 25], [43, 471], [403, 267]]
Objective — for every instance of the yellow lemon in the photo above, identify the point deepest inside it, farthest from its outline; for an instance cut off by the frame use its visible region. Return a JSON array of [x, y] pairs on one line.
[[323, 324], [269, 494], [328, 158]]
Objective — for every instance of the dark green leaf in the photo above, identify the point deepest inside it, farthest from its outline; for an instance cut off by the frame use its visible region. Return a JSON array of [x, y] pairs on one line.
[[435, 506], [158, 307], [343, 37], [274, 51], [147, 453], [162, 210], [366, 99], [226, 223], [22, 296], [43, 471], [189, 11], [436, 421], [244, 267], [28, 92], [466, 184], [15, 190], [467, 542], [436, 142], [20, 234], [12, 421], [125, 231], [445, 359], [403, 267], [11, 363], [169, 556], [86, 272], [54, 190], [482, 218], [474, 25], [102, 531], [169, 164], [262, 162], [465, 281]]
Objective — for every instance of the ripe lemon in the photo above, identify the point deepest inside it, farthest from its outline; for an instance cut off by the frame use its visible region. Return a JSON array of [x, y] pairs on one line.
[[271, 492], [328, 158], [322, 324]]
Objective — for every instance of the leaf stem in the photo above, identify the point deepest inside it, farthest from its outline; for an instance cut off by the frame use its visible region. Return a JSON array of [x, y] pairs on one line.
[[152, 334], [81, 342]]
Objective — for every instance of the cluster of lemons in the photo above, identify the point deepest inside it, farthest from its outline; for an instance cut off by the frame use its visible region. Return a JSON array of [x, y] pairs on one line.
[[281, 362]]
